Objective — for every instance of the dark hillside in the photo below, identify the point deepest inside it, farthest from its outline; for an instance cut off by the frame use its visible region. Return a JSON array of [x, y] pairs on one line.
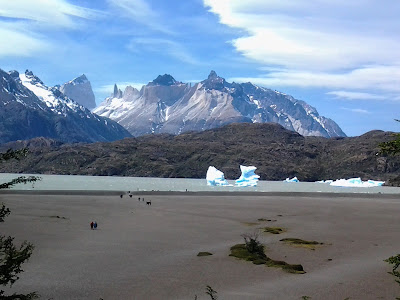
[[276, 152]]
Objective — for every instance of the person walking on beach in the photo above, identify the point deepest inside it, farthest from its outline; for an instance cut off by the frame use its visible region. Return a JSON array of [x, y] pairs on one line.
[[95, 225], [91, 225]]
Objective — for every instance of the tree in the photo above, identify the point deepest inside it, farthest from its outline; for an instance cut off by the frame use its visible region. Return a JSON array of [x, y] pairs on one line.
[[11, 256], [395, 261], [16, 154], [391, 147]]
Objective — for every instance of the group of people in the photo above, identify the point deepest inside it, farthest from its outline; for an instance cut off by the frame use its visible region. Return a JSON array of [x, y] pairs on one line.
[[93, 225]]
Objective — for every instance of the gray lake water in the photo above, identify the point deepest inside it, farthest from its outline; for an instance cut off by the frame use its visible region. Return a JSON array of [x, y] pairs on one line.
[[113, 183]]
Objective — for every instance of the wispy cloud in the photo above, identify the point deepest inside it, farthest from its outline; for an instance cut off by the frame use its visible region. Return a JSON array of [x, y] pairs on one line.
[[384, 78], [356, 110], [329, 44], [25, 24], [162, 46], [347, 95], [19, 41], [141, 12], [51, 13]]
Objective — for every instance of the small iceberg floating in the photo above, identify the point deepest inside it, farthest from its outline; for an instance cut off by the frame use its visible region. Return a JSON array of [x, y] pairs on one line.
[[215, 177], [356, 182], [248, 177], [294, 179]]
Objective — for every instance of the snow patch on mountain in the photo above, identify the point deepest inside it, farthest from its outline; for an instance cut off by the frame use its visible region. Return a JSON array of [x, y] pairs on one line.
[[46, 94]]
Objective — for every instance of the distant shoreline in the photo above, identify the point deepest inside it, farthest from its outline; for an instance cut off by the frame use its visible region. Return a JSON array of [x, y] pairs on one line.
[[200, 193]]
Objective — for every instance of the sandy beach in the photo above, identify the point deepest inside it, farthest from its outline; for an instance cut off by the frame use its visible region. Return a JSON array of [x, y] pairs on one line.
[[144, 251]]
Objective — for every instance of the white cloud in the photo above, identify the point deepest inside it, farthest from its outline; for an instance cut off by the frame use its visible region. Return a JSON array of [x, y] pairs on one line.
[[50, 13], [384, 78], [347, 95], [356, 110], [17, 41], [25, 24], [330, 44], [166, 46]]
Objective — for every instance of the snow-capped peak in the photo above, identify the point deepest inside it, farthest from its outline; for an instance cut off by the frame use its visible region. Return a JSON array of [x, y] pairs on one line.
[[52, 97], [79, 80]]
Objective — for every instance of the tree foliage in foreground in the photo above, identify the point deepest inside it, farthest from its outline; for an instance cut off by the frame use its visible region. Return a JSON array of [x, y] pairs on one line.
[[11, 256], [395, 261], [11, 260]]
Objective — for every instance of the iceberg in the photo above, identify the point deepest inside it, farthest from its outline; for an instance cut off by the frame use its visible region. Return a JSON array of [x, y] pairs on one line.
[[356, 182], [325, 181], [215, 177], [294, 179], [248, 177]]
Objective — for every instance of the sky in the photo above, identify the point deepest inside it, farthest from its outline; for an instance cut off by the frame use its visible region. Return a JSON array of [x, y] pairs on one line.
[[342, 57]]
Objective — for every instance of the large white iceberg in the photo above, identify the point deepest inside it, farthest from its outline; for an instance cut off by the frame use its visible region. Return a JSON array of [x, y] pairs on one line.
[[248, 177], [356, 182], [215, 177], [294, 179]]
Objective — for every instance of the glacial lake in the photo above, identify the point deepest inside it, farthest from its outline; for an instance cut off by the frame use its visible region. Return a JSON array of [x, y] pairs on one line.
[[114, 183]]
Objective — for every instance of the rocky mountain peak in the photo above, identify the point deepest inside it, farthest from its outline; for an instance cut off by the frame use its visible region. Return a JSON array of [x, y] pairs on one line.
[[80, 80], [212, 75], [214, 82], [14, 74], [80, 90], [33, 78], [165, 79], [117, 92]]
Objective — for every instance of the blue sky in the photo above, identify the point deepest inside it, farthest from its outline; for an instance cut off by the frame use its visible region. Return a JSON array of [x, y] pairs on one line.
[[342, 57]]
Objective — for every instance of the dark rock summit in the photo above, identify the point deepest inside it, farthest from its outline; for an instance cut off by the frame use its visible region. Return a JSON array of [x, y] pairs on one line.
[[165, 79]]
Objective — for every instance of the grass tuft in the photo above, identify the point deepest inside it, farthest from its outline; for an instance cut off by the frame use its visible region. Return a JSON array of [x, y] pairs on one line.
[[274, 230], [204, 254], [301, 243], [240, 251]]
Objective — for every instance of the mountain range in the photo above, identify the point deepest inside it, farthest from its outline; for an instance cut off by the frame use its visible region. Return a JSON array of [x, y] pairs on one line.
[[31, 109], [277, 153], [169, 106]]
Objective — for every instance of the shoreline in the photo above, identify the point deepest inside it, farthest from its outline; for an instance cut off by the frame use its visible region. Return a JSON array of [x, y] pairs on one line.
[[201, 193]]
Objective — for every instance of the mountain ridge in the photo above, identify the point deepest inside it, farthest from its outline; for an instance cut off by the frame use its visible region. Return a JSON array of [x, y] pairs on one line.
[[276, 152], [166, 105], [32, 109]]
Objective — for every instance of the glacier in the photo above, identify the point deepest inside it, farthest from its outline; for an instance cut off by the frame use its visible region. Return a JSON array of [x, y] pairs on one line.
[[248, 177], [353, 182], [215, 177]]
